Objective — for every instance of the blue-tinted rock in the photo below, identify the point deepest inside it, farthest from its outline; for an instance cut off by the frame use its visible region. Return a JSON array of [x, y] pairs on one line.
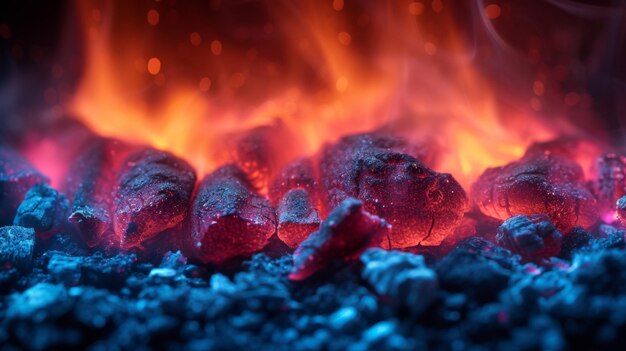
[[401, 277], [43, 209], [16, 176], [65, 269], [16, 247]]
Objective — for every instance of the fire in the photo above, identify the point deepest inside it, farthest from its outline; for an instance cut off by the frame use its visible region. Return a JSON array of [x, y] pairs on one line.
[[160, 74]]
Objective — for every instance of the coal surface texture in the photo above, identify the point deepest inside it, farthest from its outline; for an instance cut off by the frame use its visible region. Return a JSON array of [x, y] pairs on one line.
[[422, 206], [228, 218], [16, 176], [539, 183]]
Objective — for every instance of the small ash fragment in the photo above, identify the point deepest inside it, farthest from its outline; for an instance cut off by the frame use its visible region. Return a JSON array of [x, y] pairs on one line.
[[401, 277], [228, 218], [153, 195], [16, 247], [422, 206], [297, 218], [44, 209], [538, 183], [575, 240], [471, 273], [345, 233], [533, 237], [65, 269], [16, 176]]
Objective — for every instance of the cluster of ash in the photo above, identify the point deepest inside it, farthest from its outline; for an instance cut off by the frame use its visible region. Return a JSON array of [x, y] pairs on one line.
[[360, 246], [478, 296]]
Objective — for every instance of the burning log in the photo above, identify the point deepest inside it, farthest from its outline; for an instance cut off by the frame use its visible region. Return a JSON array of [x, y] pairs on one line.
[[610, 185], [43, 209], [262, 151], [228, 218], [16, 176], [537, 184], [90, 185], [534, 238], [153, 195], [347, 231], [296, 174], [297, 218], [422, 206]]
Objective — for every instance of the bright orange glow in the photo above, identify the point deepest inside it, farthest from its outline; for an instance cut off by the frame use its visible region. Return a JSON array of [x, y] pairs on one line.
[[413, 84], [154, 66]]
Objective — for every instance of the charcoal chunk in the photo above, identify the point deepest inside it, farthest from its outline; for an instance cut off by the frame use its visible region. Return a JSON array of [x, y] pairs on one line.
[[473, 274], [262, 151], [299, 173], [343, 235], [153, 195], [422, 206], [537, 184], [401, 277], [533, 237], [297, 218], [107, 272], [65, 269], [90, 184], [610, 184], [16, 247], [621, 210], [575, 240], [43, 209], [228, 218], [16, 176]]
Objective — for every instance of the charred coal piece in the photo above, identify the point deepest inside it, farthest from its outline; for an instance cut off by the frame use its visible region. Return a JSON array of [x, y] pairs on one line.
[[422, 206], [401, 277], [91, 184], [43, 209], [611, 182], [347, 231], [296, 174], [228, 218], [621, 210], [532, 237], [297, 218], [16, 247], [16, 176], [153, 195], [545, 183], [263, 151]]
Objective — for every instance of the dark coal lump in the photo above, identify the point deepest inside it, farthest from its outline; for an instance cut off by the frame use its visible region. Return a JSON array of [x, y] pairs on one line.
[[16, 247], [401, 277], [347, 231], [533, 237], [16, 176], [44, 209]]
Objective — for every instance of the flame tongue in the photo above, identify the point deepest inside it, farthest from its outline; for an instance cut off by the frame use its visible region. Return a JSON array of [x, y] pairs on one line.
[[159, 74]]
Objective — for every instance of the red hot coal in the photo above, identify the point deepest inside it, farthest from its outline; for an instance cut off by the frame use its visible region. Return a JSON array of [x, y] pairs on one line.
[[363, 190]]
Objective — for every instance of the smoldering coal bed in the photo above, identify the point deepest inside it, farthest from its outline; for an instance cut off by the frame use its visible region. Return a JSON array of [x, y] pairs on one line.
[[312, 175], [362, 247]]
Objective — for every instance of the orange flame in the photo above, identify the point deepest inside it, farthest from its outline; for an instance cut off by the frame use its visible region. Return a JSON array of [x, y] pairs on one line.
[[342, 70]]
